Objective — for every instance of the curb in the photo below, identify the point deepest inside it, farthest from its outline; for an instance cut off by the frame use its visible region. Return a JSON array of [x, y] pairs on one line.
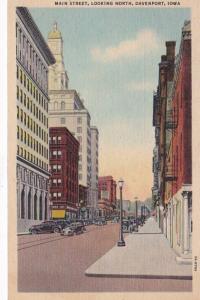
[[23, 233]]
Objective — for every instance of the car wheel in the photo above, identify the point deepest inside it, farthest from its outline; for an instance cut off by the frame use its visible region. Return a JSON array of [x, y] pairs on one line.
[[56, 230], [34, 231]]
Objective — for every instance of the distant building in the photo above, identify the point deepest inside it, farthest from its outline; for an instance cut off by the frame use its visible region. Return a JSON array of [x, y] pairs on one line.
[[63, 183], [83, 198], [67, 109], [107, 194], [93, 202], [33, 57]]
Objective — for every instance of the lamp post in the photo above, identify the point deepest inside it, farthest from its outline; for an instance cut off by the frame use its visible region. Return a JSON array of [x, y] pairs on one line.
[[121, 241]]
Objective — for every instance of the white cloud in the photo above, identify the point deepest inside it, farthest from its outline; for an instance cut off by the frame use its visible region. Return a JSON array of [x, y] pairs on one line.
[[140, 86], [145, 42]]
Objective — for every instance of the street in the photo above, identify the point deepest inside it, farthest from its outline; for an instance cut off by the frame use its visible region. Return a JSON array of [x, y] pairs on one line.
[[53, 263]]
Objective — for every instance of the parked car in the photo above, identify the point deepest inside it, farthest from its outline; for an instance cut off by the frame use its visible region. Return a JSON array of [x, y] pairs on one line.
[[128, 226], [77, 227], [101, 221], [115, 220], [47, 226], [80, 221], [67, 231], [62, 223]]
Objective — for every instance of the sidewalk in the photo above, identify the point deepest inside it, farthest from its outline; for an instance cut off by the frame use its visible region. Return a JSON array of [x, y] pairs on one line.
[[146, 254]]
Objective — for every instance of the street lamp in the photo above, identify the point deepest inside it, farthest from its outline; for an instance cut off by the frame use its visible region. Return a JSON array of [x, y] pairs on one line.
[[121, 241]]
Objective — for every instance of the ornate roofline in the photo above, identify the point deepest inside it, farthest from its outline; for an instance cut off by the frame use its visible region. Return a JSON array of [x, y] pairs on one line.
[[35, 33]]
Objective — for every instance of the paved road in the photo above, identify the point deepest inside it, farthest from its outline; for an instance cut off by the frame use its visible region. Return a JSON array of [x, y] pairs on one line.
[[52, 263]]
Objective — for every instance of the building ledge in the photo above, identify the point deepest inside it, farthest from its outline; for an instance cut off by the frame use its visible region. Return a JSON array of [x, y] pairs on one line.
[[184, 259]]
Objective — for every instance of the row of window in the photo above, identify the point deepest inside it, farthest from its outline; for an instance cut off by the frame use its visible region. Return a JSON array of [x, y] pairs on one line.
[[31, 158], [32, 107], [31, 88], [31, 178], [32, 125], [28, 140], [30, 59], [55, 181]]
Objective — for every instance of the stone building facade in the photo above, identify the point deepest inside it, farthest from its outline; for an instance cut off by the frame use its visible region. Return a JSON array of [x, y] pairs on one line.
[[33, 57]]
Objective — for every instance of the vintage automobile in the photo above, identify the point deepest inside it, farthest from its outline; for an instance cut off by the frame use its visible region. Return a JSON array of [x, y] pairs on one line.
[[45, 227], [67, 231], [77, 227], [115, 220], [100, 221], [128, 226], [62, 223]]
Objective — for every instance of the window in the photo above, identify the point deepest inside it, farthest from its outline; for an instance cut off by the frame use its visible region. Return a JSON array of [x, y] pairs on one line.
[[54, 153], [24, 118], [21, 96], [28, 84], [21, 134], [62, 105], [24, 99], [62, 121], [24, 80], [17, 93], [17, 112], [21, 76], [17, 72], [59, 153], [18, 132], [79, 120], [79, 129], [24, 137]]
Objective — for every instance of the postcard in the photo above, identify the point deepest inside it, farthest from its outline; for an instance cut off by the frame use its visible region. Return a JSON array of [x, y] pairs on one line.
[[103, 149]]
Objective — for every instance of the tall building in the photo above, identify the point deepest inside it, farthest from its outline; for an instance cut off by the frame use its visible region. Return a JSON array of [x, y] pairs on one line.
[[66, 109], [63, 153], [94, 169], [180, 155], [33, 57], [107, 194], [172, 121]]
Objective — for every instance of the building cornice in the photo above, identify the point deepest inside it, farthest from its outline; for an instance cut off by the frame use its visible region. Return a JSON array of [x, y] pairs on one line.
[[26, 18], [33, 166]]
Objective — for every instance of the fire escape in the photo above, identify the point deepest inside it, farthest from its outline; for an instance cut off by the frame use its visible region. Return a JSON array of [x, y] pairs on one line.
[[171, 123], [171, 119]]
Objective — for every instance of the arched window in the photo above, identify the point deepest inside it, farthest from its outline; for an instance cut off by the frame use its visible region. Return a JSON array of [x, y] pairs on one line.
[[55, 105], [22, 204], [35, 207], [40, 204], [29, 205], [62, 105], [45, 209]]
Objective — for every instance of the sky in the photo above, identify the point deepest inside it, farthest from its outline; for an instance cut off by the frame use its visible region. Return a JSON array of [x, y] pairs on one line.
[[111, 56]]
